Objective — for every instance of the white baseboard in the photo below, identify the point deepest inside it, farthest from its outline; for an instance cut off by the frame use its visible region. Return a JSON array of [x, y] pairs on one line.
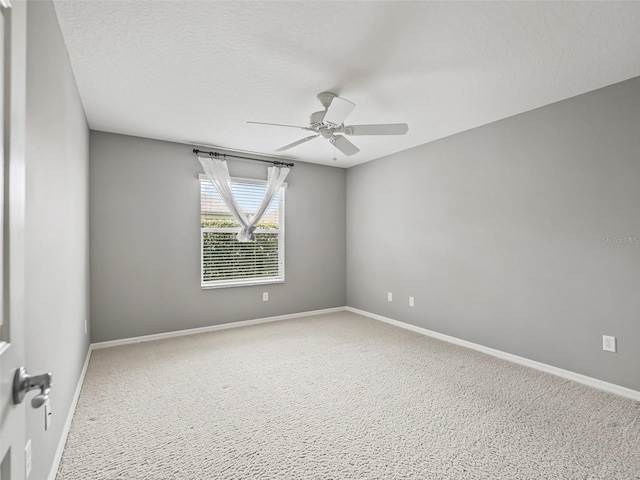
[[212, 328], [67, 424], [576, 377]]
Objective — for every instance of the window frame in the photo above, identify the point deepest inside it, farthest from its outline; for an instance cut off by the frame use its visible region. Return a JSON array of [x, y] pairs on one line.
[[245, 282]]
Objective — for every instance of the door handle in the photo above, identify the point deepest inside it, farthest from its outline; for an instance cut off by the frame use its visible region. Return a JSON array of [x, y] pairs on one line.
[[23, 383]]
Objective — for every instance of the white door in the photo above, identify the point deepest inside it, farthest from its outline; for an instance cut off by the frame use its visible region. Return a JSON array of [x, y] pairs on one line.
[[12, 339]]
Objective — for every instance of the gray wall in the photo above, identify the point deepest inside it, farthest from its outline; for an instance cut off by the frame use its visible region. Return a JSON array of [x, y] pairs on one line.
[[145, 241], [57, 166], [498, 233]]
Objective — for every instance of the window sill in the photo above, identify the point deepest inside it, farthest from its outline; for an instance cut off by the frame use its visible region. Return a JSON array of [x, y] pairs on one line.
[[241, 284]]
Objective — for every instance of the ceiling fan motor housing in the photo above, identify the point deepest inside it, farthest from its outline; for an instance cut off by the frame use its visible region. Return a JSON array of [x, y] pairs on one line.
[[326, 132]]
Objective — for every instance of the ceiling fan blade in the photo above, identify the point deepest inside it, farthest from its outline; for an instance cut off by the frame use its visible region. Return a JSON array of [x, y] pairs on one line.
[[338, 110], [281, 125], [344, 145], [377, 129], [295, 144]]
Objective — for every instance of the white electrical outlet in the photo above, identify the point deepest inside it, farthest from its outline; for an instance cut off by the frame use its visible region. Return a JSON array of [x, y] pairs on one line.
[[389, 297], [265, 296], [608, 343], [27, 458], [411, 302]]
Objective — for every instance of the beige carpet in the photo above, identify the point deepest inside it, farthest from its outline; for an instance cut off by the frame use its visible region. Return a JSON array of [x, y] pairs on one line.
[[338, 396]]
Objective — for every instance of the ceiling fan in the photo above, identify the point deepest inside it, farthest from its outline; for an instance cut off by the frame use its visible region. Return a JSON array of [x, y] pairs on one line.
[[329, 124]]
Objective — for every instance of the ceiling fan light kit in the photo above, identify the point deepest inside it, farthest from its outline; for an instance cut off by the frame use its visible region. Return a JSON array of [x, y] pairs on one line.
[[330, 121]]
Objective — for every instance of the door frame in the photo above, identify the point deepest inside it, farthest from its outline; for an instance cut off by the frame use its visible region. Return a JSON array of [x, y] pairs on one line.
[[12, 209]]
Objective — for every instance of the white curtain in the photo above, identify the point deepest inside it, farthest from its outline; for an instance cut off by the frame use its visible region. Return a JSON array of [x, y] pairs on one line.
[[218, 173]]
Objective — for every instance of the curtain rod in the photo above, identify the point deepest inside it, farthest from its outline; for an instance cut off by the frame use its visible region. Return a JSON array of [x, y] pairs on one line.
[[223, 156]]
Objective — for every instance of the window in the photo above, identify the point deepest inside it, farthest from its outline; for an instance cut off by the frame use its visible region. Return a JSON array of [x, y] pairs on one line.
[[225, 261]]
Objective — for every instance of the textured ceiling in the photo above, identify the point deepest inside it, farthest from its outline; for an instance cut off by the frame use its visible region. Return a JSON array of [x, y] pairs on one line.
[[196, 71]]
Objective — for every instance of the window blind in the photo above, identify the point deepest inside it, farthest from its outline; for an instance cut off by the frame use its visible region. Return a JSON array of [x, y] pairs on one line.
[[227, 262]]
